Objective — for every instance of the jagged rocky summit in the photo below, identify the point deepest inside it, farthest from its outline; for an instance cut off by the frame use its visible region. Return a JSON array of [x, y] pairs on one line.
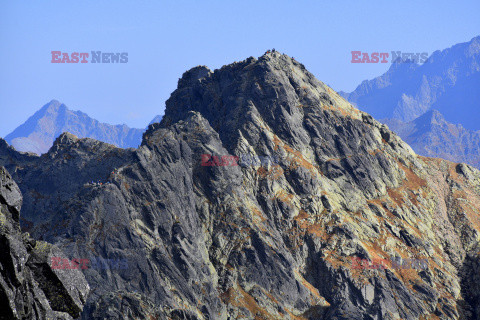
[[270, 241]]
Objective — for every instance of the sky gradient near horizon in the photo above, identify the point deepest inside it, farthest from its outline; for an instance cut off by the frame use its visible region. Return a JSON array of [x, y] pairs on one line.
[[164, 39]]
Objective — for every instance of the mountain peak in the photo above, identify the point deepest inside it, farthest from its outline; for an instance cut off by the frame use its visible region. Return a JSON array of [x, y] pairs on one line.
[[343, 188], [193, 75], [407, 90], [52, 104], [432, 135], [38, 133], [66, 138], [432, 116], [272, 86], [52, 107]]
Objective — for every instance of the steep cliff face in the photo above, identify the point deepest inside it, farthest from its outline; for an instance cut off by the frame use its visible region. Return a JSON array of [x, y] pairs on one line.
[[29, 287], [269, 241]]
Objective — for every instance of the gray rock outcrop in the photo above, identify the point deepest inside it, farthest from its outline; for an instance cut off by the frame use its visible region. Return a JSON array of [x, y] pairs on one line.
[[29, 287]]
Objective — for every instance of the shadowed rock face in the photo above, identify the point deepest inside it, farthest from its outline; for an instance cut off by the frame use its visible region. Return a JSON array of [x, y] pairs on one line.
[[29, 288], [265, 242]]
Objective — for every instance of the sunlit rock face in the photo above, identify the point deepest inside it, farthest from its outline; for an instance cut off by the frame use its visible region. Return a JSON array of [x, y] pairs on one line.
[[271, 240]]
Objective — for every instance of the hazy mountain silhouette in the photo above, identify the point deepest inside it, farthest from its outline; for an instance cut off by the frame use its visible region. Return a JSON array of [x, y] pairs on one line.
[[39, 132], [431, 135], [448, 81]]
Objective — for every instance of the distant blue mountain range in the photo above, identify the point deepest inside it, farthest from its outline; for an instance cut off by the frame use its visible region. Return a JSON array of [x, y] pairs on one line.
[[39, 132], [405, 96]]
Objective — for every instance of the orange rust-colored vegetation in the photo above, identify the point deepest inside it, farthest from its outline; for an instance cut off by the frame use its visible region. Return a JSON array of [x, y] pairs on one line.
[[240, 298]]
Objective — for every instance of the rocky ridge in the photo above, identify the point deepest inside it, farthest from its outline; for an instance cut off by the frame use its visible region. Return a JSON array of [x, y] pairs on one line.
[[264, 242]]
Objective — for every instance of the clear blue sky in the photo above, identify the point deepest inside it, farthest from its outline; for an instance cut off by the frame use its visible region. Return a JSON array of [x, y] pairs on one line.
[[164, 39]]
